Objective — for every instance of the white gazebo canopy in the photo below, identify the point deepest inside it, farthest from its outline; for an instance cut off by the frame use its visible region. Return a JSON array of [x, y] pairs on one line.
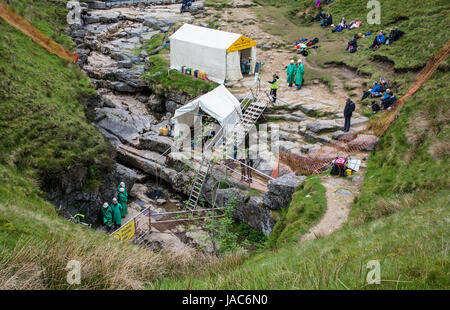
[[217, 53], [218, 103]]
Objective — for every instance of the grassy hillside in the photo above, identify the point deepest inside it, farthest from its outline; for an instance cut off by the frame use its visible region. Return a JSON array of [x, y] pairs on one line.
[[44, 131], [424, 24], [36, 246]]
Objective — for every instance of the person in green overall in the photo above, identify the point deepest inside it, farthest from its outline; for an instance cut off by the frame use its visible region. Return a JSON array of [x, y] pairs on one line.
[[107, 216], [122, 185], [290, 71], [116, 209], [122, 199], [299, 74]]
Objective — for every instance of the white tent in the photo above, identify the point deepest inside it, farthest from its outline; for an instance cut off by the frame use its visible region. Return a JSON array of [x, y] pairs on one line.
[[217, 53], [218, 103]]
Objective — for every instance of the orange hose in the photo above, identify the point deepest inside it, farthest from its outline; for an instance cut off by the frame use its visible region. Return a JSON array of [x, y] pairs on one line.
[[34, 34]]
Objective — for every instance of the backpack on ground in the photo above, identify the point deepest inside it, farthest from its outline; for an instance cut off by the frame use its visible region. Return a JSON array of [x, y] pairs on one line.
[[338, 166], [352, 49], [375, 107]]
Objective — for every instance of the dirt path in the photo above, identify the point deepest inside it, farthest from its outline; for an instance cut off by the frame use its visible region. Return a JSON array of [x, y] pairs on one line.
[[340, 194]]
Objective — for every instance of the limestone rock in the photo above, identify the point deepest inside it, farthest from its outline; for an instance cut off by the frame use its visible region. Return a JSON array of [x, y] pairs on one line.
[[318, 126], [280, 190]]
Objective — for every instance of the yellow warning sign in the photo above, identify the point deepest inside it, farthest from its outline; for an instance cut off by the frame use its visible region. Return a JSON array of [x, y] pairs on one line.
[[242, 43], [126, 232]]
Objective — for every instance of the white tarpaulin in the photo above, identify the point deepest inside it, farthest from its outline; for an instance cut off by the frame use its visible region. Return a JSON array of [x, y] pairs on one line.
[[218, 103], [354, 164], [215, 52]]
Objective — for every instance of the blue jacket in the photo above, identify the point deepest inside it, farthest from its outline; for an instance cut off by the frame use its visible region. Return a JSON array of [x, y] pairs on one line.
[[386, 96], [381, 39], [376, 88]]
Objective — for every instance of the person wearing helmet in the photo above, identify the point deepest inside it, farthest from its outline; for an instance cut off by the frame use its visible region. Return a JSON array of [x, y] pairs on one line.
[[299, 74], [273, 87], [116, 209], [122, 199], [122, 185], [106, 215], [290, 71]]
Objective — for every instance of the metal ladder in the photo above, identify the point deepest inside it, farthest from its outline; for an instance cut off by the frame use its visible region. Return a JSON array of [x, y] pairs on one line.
[[242, 127], [252, 114], [199, 180]]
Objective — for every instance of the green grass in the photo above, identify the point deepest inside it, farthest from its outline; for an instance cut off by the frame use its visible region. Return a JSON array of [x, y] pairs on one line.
[[410, 245], [164, 81], [411, 161], [424, 24], [44, 131], [306, 208]]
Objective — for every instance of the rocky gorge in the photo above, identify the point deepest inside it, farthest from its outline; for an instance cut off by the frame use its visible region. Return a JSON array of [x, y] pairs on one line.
[[129, 111]]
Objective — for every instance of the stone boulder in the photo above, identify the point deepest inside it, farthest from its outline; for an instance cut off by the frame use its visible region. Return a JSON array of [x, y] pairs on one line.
[[318, 126], [280, 191], [155, 143], [127, 127], [312, 109], [162, 25], [255, 214]]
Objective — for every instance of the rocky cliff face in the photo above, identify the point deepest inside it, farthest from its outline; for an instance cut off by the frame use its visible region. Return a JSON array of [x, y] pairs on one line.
[[125, 110]]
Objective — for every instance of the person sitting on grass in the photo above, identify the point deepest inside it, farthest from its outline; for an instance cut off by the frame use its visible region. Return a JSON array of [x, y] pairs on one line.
[[378, 41], [327, 21], [352, 45], [383, 84], [354, 24], [318, 17], [394, 35], [342, 25], [388, 100], [375, 91]]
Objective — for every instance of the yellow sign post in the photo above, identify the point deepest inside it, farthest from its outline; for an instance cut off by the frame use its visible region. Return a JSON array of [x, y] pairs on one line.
[[242, 43], [126, 232]]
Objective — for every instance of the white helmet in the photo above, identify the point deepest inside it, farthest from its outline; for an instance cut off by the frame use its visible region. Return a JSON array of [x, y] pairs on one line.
[[292, 61], [299, 60], [122, 184], [105, 205], [121, 190], [114, 199]]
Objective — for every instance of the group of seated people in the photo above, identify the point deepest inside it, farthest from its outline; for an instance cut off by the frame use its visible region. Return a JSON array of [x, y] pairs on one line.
[[324, 19], [377, 90], [394, 35], [380, 89], [343, 25]]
